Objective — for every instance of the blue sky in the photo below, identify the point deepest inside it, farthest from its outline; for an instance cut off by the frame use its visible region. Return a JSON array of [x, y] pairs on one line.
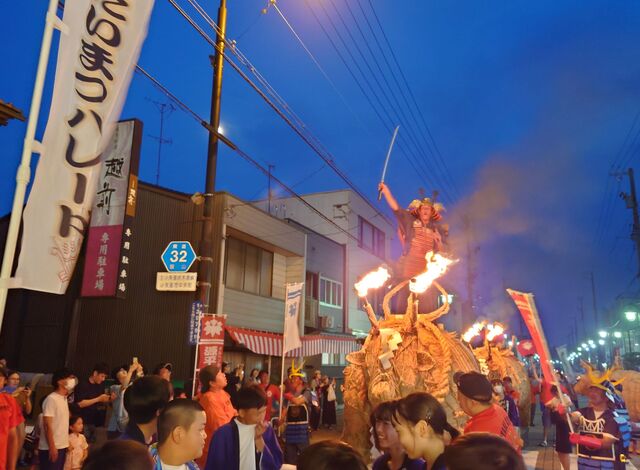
[[528, 102]]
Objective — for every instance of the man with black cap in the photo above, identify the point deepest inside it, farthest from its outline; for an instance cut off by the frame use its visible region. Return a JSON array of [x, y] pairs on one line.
[[476, 400]]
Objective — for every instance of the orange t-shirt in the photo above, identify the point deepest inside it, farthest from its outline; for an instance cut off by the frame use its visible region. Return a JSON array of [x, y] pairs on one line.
[[219, 410], [10, 417], [494, 420]]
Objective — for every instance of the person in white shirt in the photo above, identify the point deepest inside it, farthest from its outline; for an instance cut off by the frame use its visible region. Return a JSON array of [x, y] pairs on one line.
[[181, 435], [54, 434]]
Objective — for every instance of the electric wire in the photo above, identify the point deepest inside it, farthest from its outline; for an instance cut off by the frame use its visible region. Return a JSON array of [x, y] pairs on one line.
[[237, 150], [303, 132], [409, 89]]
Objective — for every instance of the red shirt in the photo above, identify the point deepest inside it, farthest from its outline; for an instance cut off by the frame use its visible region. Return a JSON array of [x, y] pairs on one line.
[[10, 417], [273, 393], [494, 420]]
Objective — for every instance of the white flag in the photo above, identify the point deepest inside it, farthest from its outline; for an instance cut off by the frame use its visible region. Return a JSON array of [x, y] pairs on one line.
[[95, 63], [291, 339]]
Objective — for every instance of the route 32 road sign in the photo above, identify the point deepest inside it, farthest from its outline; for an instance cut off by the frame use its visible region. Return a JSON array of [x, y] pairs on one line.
[[178, 256]]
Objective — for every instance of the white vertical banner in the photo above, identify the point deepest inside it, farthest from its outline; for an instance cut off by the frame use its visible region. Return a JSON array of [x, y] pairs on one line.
[[291, 337], [96, 59]]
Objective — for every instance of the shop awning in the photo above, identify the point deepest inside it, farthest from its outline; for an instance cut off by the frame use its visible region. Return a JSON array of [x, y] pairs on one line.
[[270, 344]]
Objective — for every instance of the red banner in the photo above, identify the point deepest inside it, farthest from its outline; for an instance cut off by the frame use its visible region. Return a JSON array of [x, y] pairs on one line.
[[210, 341], [527, 308]]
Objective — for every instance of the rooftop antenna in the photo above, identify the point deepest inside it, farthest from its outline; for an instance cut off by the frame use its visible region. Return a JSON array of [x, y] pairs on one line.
[[163, 108]]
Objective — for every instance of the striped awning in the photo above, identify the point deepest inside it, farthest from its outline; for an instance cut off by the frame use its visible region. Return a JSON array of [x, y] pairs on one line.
[[270, 344]]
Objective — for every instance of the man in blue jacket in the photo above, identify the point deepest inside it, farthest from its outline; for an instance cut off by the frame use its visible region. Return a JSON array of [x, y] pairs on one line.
[[246, 442]]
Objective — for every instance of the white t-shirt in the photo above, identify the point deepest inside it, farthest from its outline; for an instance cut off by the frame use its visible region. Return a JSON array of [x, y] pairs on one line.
[[173, 467], [247, 435], [56, 407]]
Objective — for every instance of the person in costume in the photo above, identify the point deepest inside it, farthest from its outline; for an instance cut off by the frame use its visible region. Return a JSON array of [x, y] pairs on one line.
[[419, 232], [298, 401], [603, 426], [247, 442]]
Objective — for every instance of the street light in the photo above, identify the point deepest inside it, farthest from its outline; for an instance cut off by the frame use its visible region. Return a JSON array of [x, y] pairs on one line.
[[584, 346], [631, 315], [579, 349], [617, 334], [603, 334], [601, 342]]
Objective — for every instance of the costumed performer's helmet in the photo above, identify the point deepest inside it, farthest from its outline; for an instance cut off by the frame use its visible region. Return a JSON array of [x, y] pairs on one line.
[[605, 382], [437, 208], [297, 371]]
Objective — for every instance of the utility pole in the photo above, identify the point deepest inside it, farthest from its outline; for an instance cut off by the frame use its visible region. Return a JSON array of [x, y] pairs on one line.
[[632, 203], [581, 311], [271, 167], [468, 312], [163, 108], [595, 305], [205, 268]]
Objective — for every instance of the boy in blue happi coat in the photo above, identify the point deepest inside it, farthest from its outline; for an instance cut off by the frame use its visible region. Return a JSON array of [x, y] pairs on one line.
[[246, 442]]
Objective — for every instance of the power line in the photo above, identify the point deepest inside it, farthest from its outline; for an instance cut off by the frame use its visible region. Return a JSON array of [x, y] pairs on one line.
[[236, 149], [411, 94], [302, 130], [316, 62], [396, 106], [388, 122]]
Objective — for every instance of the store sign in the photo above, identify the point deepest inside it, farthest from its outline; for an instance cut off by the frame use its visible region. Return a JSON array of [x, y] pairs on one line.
[[211, 341], [176, 282]]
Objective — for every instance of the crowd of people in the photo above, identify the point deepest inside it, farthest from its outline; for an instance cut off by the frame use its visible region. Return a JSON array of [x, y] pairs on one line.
[[153, 426]]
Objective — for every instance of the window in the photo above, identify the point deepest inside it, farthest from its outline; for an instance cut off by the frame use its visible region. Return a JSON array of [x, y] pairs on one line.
[[370, 238], [330, 293], [248, 267], [329, 359]]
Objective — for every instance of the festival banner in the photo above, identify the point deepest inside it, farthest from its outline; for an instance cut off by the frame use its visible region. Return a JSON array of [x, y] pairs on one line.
[[563, 355], [96, 58], [107, 255], [291, 338], [527, 307], [526, 348], [211, 341]]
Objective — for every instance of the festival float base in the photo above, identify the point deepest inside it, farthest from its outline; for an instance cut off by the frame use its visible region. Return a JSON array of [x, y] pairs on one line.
[[402, 354]]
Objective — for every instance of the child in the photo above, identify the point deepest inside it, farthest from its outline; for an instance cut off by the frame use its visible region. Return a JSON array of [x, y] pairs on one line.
[[247, 442], [181, 435], [78, 447]]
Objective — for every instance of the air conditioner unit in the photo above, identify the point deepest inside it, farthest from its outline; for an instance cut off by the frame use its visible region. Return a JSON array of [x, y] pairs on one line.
[[326, 322]]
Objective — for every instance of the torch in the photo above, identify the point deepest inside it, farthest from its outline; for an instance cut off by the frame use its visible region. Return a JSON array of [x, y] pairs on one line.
[[436, 266], [372, 280]]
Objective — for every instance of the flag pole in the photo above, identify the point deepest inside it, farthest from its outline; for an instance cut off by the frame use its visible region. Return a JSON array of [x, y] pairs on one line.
[[23, 175]]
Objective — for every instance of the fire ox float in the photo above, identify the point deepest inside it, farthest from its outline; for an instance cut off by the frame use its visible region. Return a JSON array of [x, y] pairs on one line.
[[498, 362], [403, 354]]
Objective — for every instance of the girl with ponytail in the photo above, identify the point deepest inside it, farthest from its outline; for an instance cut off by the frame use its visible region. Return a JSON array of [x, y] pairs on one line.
[[421, 422]]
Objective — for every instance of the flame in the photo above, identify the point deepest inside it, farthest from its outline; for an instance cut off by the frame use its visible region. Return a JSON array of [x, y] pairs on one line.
[[473, 331], [494, 330], [436, 266], [373, 280]]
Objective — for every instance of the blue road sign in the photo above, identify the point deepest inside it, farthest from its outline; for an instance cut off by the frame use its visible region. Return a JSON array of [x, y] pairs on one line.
[[178, 257]]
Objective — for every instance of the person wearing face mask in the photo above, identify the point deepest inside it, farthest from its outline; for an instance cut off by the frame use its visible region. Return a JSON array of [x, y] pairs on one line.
[[386, 440], [421, 422], [246, 442], [54, 433], [507, 403]]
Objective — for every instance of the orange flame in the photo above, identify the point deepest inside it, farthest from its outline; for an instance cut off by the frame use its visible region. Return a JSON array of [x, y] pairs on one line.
[[373, 280], [473, 331], [436, 266], [494, 330]]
